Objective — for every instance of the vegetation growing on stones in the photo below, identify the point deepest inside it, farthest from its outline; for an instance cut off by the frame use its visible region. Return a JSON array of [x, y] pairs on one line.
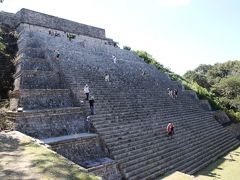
[[8, 49], [219, 84]]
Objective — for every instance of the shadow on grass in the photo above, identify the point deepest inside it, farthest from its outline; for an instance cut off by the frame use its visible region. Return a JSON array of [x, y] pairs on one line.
[[41, 161], [208, 171], [8, 147], [54, 166]]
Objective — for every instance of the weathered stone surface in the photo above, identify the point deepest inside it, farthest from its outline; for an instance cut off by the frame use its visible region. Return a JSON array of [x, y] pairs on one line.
[[45, 98], [36, 79], [8, 19], [44, 20], [205, 105], [50, 123], [221, 117], [33, 64], [108, 171], [85, 149]]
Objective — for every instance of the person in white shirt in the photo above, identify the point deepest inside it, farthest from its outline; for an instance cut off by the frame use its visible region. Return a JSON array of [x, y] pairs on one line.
[[114, 59], [86, 91], [107, 77]]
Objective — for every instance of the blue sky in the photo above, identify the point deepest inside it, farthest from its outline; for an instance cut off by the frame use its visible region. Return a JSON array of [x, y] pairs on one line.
[[180, 34]]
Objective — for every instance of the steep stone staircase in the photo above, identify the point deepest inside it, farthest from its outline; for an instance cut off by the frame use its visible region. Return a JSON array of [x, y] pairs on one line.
[[132, 110], [50, 112]]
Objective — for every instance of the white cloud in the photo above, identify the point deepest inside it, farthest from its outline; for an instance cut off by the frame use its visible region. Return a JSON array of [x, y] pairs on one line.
[[175, 2]]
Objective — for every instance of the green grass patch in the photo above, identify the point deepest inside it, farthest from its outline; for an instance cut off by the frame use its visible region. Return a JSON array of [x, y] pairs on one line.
[[226, 167], [21, 152]]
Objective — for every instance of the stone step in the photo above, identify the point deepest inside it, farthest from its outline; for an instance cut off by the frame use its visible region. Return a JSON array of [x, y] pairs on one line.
[[107, 126], [128, 160], [137, 150], [146, 138], [152, 124], [177, 166], [155, 167], [113, 136], [68, 138], [173, 152], [149, 111], [215, 154]]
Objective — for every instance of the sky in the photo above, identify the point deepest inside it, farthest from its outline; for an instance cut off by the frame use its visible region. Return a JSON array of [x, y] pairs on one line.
[[180, 34]]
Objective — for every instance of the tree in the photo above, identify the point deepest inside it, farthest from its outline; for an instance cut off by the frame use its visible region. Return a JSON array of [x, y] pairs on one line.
[[228, 87]]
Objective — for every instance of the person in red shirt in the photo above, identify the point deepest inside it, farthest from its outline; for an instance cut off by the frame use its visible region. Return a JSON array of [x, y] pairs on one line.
[[170, 129]]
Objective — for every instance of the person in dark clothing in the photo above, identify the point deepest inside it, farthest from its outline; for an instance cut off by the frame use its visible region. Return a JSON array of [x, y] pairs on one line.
[[91, 103], [175, 93], [87, 124]]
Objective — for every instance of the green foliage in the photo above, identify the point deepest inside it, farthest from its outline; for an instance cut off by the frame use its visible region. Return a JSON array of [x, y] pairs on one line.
[[222, 82], [219, 84], [150, 60], [2, 47], [8, 49], [228, 87]]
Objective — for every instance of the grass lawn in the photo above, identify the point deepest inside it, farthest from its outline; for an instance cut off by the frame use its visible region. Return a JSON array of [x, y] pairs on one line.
[[23, 158], [226, 168]]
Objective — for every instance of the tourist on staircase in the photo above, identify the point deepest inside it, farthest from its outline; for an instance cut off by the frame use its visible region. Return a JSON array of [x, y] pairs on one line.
[[175, 92], [86, 91], [91, 103], [88, 124], [107, 77], [170, 129], [114, 59], [57, 53]]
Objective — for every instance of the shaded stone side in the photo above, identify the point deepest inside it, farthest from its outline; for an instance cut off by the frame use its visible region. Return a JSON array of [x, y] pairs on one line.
[[32, 53], [205, 105], [44, 99], [81, 150], [33, 64], [234, 129], [42, 125], [108, 172], [221, 117], [38, 80]]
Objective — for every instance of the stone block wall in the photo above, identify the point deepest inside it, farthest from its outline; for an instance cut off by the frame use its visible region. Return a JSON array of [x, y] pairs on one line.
[[108, 172], [205, 105], [80, 150], [44, 20], [50, 124], [221, 117], [8, 19], [37, 80], [33, 64], [43, 99], [32, 53]]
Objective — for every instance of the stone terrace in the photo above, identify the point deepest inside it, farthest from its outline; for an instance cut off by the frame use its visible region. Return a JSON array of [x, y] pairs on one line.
[[132, 110]]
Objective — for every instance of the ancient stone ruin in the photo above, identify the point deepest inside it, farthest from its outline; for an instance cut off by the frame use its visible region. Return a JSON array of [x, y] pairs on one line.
[[57, 57]]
